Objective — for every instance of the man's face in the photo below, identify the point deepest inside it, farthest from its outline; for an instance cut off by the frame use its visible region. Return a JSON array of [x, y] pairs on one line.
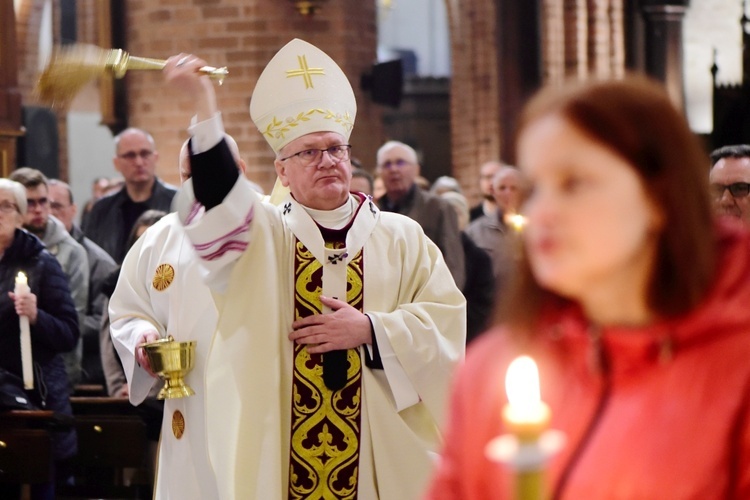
[[60, 205], [322, 184], [38, 212], [507, 190], [398, 169], [725, 173], [136, 159], [486, 174]]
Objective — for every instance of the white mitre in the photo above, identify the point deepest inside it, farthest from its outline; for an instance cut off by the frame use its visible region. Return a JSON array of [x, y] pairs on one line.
[[302, 90]]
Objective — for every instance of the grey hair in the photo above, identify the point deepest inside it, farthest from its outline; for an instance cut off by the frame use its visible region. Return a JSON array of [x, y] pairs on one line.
[[18, 192], [410, 151]]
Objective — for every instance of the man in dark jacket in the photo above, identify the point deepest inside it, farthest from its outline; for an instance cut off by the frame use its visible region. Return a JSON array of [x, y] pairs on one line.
[[112, 217]]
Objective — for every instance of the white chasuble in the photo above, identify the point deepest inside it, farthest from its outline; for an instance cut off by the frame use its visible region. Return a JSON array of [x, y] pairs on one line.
[[418, 318]]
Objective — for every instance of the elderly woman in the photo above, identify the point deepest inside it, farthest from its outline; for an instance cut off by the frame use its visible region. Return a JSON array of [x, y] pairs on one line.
[[51, 313], [632, 300]]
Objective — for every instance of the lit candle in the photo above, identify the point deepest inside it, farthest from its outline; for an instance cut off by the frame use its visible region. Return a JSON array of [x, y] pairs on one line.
[[516, 221], [526, 417], [22, 287]]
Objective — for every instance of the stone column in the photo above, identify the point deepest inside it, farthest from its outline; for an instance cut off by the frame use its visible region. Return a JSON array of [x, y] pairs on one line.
[[663, 23]]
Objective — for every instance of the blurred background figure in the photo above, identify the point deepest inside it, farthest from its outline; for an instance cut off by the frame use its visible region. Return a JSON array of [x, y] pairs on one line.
[[445, 183], [637, 339], [493, 233], [362, 181], [54, 327], [399, 167], [730, 181], [99, 188], [378, 187], [479, 289], [487, 206], [68, 252], [101, 266]]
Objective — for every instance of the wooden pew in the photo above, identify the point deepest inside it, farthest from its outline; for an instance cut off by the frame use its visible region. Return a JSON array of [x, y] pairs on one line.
[[111, 439]]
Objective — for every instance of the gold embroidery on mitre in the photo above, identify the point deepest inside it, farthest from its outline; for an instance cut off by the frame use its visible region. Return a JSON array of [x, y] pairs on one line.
[[163, 277], [277, 129], [178, 424], [305, 72]]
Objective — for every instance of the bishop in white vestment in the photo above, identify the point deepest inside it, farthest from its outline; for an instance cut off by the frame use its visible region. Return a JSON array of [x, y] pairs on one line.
[[339, 326]]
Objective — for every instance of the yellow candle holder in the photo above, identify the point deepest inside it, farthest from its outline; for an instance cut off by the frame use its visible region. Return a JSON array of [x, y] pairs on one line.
[[527, 457]]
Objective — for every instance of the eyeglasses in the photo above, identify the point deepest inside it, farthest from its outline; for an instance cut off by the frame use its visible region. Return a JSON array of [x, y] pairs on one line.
[[39, 202], [310, 156], [132, 155], [399, 163], [7, 207], [736, 189]]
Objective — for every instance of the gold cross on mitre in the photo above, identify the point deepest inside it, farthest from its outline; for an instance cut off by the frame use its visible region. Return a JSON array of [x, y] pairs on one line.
[[305, 72]]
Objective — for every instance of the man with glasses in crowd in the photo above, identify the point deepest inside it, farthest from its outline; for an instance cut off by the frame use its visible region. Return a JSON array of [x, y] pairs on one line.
[[730, 181], [339, 325], [68, 252], [112, 217]]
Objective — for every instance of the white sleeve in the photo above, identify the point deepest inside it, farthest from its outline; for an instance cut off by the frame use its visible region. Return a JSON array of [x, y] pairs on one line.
[[220, 235], [206, 134], [404, 392]]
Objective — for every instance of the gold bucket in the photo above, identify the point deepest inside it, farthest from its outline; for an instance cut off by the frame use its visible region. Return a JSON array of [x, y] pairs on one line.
[[172, 360]]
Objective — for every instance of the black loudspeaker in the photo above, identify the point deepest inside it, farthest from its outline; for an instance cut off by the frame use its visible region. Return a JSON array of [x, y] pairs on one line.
[[68, 24], [38, 147], [385, 83]]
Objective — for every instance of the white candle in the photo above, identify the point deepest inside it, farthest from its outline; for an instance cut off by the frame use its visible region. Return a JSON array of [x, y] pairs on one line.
[[22, 287]]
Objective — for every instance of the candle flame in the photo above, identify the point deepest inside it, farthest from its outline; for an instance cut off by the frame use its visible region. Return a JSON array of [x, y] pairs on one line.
[[21, 278], [522, 388], [516, 221]]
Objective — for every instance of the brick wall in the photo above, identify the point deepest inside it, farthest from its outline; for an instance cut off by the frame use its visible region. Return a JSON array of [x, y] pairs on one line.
[[580, 39], [475, 124]]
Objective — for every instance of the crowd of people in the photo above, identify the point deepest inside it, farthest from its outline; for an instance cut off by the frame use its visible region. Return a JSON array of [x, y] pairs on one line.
[[332, 317]]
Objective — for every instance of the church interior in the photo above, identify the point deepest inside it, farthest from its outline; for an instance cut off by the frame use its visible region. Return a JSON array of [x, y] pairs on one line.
[[454, 96]]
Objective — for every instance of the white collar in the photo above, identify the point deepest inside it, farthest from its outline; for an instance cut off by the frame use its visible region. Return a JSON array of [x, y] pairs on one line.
[[336, 218]]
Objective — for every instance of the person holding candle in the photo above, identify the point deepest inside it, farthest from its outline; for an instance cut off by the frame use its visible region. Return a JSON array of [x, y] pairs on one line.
[[52, 318], [632, 299]]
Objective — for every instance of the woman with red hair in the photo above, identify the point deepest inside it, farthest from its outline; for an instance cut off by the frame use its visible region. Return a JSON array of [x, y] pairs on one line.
[[632, 299]]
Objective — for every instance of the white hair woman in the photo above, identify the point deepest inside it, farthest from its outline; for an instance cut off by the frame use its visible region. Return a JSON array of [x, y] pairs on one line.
[[52, 318]]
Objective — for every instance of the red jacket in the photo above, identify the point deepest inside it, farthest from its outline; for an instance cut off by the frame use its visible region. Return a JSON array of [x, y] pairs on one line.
[[666, 408]]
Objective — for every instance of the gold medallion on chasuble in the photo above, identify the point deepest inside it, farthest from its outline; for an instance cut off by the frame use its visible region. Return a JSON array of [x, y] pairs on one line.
[[163, 277], [326, 424], [178, 424]]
